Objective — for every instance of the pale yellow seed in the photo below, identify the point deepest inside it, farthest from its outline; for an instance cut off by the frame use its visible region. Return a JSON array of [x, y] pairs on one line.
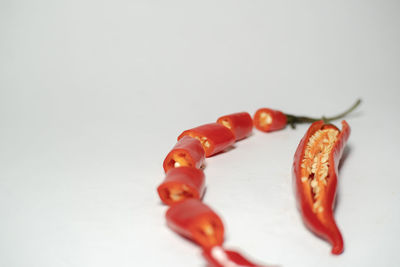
[[322, 177], [177, 164], [316, 190], [314, 165], [314, 183], [323, 173], [316, 205], [207, 144]]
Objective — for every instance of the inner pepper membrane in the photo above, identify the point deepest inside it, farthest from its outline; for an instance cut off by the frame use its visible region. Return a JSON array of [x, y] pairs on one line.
[[208, 231], [315, 164], [177, 192], [226, 123], [179, 160], [203, 140]]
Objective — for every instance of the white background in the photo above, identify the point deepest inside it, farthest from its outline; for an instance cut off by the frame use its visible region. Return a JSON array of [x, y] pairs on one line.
[[94, 93]]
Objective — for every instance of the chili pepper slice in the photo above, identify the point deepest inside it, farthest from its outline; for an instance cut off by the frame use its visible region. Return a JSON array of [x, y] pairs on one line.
[[241, 124], [196, 221], [180, 184], [188, 151], [315, 171], [268, 120], [213, 136], [219, 257]]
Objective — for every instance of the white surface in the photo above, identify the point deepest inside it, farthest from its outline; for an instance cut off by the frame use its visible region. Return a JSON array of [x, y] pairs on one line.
[[94, 93]]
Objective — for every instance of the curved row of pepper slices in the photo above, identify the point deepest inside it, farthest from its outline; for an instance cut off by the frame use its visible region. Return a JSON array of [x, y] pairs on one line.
[[314, 170]]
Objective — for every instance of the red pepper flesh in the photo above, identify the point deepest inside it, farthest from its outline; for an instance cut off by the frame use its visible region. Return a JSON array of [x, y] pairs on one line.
[[268, 120], [213, 136], [188, 151], [220, 257], [180, 184], [196, 221], [241, 124], [315, 171]]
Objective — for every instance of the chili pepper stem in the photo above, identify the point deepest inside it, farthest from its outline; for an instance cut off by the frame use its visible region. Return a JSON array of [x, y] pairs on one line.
[[292, 120]]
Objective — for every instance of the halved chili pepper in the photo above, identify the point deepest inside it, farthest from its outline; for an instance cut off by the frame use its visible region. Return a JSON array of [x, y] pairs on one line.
[[241, 124], [196, 221], [213, 136], [188, 151], [180, 184], [219, 257], [268, 120], [315, 171]]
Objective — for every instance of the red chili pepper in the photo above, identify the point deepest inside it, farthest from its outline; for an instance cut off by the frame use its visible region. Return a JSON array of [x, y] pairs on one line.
[[315, 171], [268, 120], [220, 257], [180, 184], [213, 136], [196, 221], [241, 124], [188, 151]]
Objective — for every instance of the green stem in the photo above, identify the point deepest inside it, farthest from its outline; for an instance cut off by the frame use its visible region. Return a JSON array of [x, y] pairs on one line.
[[292, 120]]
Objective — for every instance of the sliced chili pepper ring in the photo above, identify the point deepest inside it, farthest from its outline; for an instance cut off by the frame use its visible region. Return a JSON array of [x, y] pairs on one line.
[[180, 184], [213, 136], [196, 221], [188, 151], [241, 124]]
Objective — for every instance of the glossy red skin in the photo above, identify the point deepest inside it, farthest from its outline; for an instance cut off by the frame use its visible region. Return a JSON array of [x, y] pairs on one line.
[[241, 124], [193, 178], [327, 227], [218, 136], [183, 216], [233, 257], [191, 147], [279, 120]]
